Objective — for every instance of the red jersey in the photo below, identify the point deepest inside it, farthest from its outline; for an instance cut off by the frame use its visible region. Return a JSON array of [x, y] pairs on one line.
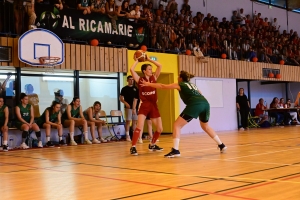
[[147, 93], [258, 110]]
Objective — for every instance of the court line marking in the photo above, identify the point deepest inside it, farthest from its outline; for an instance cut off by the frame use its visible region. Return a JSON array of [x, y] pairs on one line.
[[137, 182]]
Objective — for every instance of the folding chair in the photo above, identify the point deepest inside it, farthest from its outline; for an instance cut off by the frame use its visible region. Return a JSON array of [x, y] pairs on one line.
[[252, 121], [120, 121], [102, 114]]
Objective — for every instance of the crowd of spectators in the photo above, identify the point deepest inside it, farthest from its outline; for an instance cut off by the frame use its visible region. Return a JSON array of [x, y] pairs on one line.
[[176, 29]]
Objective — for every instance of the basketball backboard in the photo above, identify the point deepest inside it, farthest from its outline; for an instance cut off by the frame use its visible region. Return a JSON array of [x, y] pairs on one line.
[[37, 43]]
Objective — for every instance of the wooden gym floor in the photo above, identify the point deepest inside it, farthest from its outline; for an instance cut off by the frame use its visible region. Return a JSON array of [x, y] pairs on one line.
[[259, 164]]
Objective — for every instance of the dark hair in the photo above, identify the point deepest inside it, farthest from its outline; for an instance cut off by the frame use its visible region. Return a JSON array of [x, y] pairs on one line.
[[241, 89], [186, 76], [1, 97], [144, 67], [22, 95], [74, 99], [51, 108], [128, 77], [273, 101], [96, 103]]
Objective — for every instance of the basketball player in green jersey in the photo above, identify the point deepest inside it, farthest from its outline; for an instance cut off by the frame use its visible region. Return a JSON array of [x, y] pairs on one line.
[[91, 114], [51, 117], [73, 117], [25, 121], [4, 113], [196, 106]]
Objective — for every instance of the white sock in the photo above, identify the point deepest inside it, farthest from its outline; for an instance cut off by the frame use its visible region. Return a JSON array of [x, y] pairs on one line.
[[5, 142], [86, 137], [60, 138], [127, 132], [217, 139], [48, 139], [72, 136], [176, 143]]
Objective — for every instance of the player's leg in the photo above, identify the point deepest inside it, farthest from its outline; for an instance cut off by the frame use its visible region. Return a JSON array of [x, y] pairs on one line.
[[60, 134], [4, 130], [136, 133], [204, 117], [180, 122], [128, 117], [99, 130], [37, 131], [92, 130], [83, 124], [149, 126], [47, 128], [25, 130], [71, 125]]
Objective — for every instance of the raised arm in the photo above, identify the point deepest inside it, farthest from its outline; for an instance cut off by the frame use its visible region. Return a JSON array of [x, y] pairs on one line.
[[162, 86], [135, 76]]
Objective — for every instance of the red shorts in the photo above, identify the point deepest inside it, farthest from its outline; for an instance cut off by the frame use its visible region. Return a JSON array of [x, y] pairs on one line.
[[149, 110]]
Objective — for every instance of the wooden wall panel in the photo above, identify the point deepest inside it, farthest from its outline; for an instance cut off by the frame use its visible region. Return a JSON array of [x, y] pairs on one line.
[[120, 60], [125, 61], [106, 59], [15, 53], [102, 61], [68, 56], [93, 58], [97, 58], [82, 58], [111, 59], [116, 60], [87, 57]]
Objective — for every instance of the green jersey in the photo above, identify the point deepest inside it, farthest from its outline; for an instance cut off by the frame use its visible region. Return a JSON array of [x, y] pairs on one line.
[[53, 117], [25, 112], [74, 113], [190, 95], [2, 113]]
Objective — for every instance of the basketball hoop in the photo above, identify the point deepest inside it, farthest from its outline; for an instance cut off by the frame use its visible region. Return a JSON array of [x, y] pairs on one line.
[[49, 62]]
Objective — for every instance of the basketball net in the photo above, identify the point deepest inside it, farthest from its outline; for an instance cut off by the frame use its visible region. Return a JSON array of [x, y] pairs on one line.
[[48, 63]]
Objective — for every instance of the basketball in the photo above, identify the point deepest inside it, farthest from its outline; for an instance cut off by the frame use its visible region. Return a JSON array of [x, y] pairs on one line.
[[140, 55], [144, 47], [94, 42]]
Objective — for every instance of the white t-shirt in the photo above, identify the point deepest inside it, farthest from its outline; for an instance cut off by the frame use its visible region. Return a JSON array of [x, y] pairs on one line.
[[133, 13], [118, 2]]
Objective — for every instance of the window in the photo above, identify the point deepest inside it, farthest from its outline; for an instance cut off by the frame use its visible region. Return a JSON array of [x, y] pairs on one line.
[[101, 87]]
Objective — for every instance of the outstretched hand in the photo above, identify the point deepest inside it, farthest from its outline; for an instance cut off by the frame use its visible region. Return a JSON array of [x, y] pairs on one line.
[[144, 83]]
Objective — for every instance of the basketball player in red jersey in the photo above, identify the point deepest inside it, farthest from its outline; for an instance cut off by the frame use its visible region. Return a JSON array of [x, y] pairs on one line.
[[148, 97]]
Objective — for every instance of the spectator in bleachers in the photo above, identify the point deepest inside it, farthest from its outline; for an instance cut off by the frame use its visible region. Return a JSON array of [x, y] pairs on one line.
[[73, 117], [164, 3], [4, 116], [123, 10], [135, 14], [91, 114], [51, 117], [119, 3], [33, 99], [20, 9], [242, 17], [98, 6], [112, 12], [172, 5], [84, 5], [25, 121], [198, 53]]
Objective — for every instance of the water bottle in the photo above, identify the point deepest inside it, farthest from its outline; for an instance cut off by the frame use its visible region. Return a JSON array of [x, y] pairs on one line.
[[11, 143]]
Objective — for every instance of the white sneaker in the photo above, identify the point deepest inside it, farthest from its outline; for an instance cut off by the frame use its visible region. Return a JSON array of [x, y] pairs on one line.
[[103, 140], [87, 142], [140, 140], [24, 146], [40, 144], [73, 143], [95, 141], [241, 129], [128, 138]]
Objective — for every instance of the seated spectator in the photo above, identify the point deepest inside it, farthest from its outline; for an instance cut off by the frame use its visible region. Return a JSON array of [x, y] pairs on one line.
[[235, 19], [59, 97], [51, 117], [199, 55], [98, 6], [172, 5], [33, 99], [91, 114], [294, 115], [84, 5], [160, 10], [25, 121], [20, 9], [119, 3], [279, 117], [135, 14], [260, 112], [123, 10], [4, 116], [164, 3], [73, 117]]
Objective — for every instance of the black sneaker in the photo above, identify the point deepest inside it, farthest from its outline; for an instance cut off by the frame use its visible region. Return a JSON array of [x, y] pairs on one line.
[[62, 143], [222, 148], [49, 144], [5, 148], [173, 153], [133, 151], [155, 148]]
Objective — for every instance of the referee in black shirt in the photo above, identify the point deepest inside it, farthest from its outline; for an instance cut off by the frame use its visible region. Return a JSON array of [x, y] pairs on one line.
[[243, 105]]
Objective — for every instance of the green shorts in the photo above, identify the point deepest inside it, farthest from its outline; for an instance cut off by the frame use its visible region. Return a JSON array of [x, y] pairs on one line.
[[18, 125], [201, 110]]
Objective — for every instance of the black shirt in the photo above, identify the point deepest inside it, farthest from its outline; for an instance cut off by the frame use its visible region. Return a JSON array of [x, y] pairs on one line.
[[242, 101], [129, 93]]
